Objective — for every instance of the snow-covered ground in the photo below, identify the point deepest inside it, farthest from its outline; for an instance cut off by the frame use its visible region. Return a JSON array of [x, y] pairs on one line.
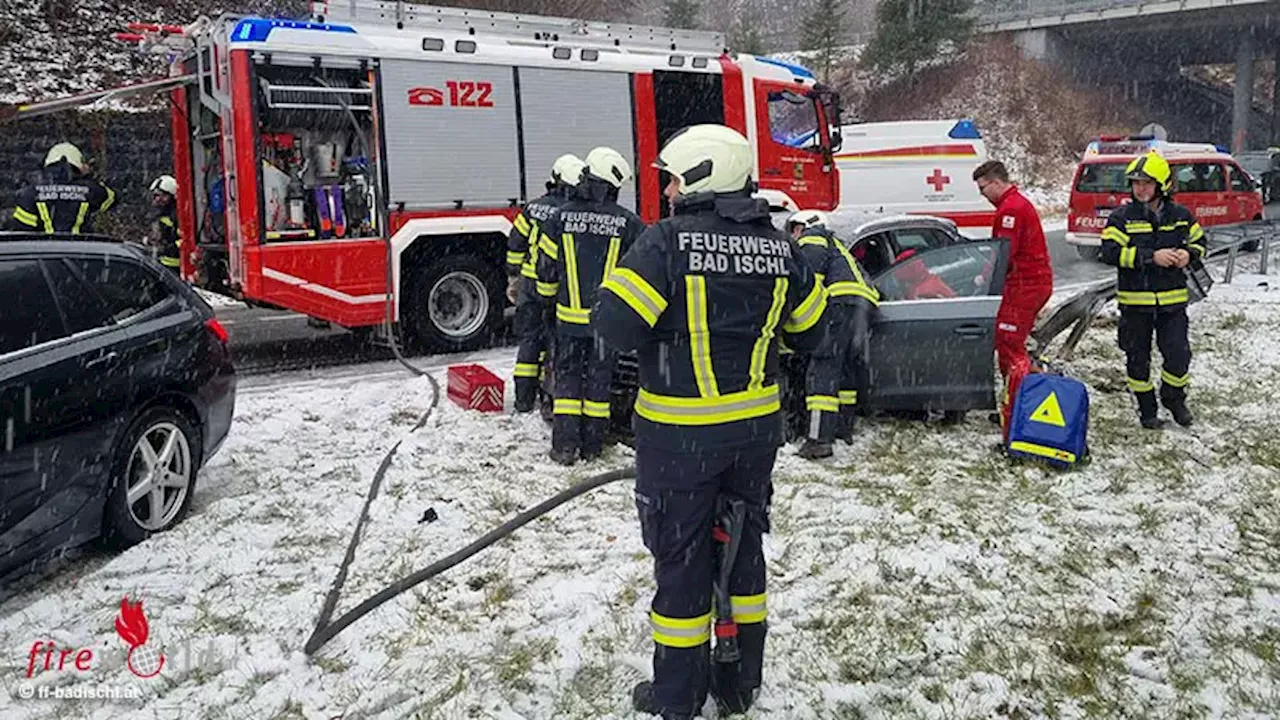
[[917, 575]]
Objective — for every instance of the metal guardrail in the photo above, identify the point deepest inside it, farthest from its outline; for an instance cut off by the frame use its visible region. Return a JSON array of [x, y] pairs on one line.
[[1230, 241], [999, 11]]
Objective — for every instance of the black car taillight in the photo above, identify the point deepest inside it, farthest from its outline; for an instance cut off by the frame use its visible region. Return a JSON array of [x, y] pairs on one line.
[[218, 331]]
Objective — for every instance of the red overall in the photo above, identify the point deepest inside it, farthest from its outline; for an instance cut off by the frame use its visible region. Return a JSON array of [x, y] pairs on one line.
[[1027, 288]]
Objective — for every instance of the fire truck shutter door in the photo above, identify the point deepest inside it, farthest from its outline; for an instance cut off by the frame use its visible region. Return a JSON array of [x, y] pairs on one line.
[[572, 111], [450, 134]]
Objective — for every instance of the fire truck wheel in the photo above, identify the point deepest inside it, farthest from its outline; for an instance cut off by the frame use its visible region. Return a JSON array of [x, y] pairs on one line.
[[455, 303], [1089, 253]]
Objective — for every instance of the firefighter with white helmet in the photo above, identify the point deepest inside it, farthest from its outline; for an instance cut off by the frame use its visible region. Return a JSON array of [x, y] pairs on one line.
[[1151, 241], [702, 298], [164, 222], [838, 369], [66, 200], [577, 248], [531, 321]]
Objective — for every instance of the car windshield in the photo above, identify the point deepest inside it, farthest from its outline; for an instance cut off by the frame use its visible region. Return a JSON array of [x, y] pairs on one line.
[[1103, 178]]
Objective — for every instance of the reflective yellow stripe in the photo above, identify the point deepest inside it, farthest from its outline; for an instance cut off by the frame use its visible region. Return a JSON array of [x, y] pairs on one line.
[[760, 352], [749, 609], [1173, 380], [611, 260], [571, 270], [594, 409], [546, 289], [637, 293], [527, 370], [1042, 451], [568, 406], [809, 312], [1174, 226], [847, 288], [84, 210], [43, 209], [111, 199], [1152, 299], [1195, 233], [868, 290], [1128, 257], [818, 240], [522, 225], [515, 258], [680, 632], [1114, 233], [1138, 227], [25, 217], [529, 270], [848, 397], [170, 261], [573, 316], [1140, 385], [1197, 247], [672, 410], [700, 335], [165, 220], [546, 245], [825, 403]]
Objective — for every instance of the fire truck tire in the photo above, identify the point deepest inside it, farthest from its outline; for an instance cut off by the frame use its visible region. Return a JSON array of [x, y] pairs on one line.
[[1089, 253], [455, 304]]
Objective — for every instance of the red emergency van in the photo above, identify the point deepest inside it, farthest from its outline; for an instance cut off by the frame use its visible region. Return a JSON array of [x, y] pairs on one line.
[[1207, 180]]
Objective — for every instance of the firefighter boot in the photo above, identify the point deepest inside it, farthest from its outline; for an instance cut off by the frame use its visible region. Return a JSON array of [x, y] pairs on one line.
[[1175, 399], [566, 456], [642, 701], [848, 423], [815, 449], [1148, 411]]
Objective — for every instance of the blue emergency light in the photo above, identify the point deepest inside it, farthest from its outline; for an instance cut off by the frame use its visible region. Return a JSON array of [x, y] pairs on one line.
[[965, 130]]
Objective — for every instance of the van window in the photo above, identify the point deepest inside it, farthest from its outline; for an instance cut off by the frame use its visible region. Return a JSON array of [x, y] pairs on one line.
[[1240, 181], [1103, 178], [793, 120], [1199, 177]]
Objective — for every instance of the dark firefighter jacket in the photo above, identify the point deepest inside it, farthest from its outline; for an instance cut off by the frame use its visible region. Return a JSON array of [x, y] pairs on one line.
[[166, 232], [522, 243], [1129, 242], [580, 245], [62, 202], [835, 267], [702, 298]]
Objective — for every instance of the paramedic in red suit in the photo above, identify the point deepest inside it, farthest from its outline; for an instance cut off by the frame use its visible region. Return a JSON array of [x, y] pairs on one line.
[[1029, 281]]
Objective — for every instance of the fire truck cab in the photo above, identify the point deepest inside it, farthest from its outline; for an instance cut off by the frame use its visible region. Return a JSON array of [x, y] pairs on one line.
[[380, 150]]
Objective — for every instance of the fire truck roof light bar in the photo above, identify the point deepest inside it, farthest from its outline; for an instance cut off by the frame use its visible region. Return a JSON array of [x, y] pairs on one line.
[[517, 27]]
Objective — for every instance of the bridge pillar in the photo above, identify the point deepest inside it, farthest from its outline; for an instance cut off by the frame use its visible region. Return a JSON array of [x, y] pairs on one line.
[[1242, 94]]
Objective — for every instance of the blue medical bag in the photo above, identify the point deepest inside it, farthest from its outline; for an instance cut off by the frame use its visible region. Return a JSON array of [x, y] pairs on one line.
[[1050, 420]]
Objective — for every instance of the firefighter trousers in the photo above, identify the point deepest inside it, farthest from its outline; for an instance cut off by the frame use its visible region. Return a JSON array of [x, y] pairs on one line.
[[532, 329], [676, 497], [838, 371], [1171, 331], [583, 373]]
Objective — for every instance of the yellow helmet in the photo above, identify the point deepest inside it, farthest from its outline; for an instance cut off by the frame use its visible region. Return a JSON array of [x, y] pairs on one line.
[[65, 151], [1151, 167]]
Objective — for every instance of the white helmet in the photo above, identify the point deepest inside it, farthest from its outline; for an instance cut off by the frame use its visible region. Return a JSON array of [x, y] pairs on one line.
[[807, 218], [165, 184], [709, 157], [567, 169], [65, 151], [609, 165]]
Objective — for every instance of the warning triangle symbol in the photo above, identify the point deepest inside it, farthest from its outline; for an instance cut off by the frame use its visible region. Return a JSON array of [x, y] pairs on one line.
[[1049, 412]]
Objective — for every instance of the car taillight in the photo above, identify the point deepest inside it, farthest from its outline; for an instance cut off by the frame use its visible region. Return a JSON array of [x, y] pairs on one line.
[[218, 331]]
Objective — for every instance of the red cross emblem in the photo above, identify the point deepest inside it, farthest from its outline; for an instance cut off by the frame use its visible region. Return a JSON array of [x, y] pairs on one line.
[[938, 180]]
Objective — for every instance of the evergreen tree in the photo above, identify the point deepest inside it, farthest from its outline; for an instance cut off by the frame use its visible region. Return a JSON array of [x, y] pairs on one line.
[[747, 35], [822, 32], [681, 14], [910, 33]]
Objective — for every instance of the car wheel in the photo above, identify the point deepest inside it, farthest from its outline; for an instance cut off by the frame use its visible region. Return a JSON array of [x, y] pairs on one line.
[[153, 477], [1089, 253], [456, 303]]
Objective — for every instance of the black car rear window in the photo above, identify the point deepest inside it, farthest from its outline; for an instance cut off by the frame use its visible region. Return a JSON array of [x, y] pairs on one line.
[[81, 306], [1103, 178], [30, 315], [127, 287]]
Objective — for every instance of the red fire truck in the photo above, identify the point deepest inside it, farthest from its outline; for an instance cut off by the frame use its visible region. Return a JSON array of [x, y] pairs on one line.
[[384, 148]]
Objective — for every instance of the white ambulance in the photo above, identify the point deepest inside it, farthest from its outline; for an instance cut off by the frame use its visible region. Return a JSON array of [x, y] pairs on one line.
[[915, 167]]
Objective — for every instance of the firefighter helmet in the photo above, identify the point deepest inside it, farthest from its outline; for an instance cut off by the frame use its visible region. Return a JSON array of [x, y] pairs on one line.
[[65, 151], [1151, 167], [706, 158], [567, 169], [609, 165], [165, 184], [807, 219]]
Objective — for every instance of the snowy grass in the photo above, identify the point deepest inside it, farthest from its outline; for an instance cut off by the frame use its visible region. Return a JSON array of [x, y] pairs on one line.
[[916, 575]]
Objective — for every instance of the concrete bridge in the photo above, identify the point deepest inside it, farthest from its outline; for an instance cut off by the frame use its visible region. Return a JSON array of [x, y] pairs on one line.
[[1134, 42]]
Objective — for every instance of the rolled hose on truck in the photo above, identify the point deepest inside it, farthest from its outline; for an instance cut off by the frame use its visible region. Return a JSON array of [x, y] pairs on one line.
[[326, 628]]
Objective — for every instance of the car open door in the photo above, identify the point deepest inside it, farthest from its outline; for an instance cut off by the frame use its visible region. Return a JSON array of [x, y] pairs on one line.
[[933, 343]]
